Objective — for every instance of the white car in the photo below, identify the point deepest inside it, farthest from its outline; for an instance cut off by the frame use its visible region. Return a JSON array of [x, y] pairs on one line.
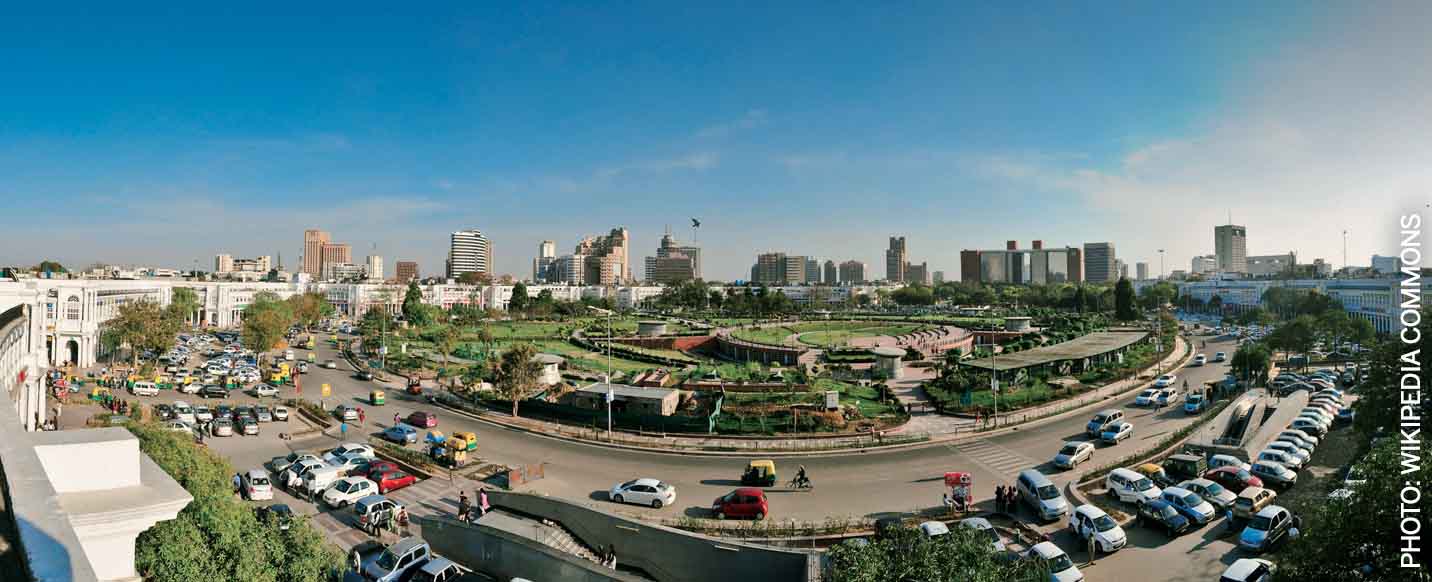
[[144, 389], [983, 526], [1073, 453], [257, 486], [350, 450], [184, 413], [934, 529], [281, 464], [347, 490], [1147, 397], [1087, 520], [1165, 381], [263, 390], [1168, 396], [280, 413], [1061, 568], [192, 387], [1249, 570], [1299, 437], [1116, 433], [1220, 356], [203, 414], [1211, 492], [1200, 360], [1217, 461], [178, 426], [1280, 458], [1297, 452], [643, 492], [292, 477]]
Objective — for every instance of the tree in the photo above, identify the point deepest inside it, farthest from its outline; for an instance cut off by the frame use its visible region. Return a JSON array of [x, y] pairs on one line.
[[445, 338], [310, 308], [1379, 403], [49, 267], [266, 320], [1124, 301], [518, 303], [1252, 362], [144, 326], [217, 537], [516, 375], [183, 303], [914, 295], [413, 303], [906, 555], [474, 278]]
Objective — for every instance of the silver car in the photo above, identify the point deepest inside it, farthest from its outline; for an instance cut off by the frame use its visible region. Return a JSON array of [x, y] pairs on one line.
[[263, 414], [222, 427]]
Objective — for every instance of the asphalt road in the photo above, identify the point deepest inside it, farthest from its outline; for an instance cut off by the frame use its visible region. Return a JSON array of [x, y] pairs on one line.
[[856, 485]]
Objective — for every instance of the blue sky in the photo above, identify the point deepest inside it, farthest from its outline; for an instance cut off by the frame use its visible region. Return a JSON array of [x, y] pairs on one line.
[[164, 136]]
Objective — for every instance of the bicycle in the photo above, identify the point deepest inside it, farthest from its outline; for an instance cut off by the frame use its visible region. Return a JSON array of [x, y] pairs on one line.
[[798, 483]]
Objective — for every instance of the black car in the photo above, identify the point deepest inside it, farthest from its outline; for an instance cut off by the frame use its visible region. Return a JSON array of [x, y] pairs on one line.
[[1160, 514], [213, 391], [164, 412], [278, 514], [224, 411], [366, 375]]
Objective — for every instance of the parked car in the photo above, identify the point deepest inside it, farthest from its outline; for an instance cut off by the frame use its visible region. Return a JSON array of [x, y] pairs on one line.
[[1165, 381], [985, 528], [1186, 466], [643, 492], [375, 508], [203, 414], [396, 561], [248, 425], [292, 477], [1073, 453], [934, 529], [1251, 501], [347, 490], [391, 480], [1102, 420], [1279, 457], [1303, 455], [144, 389], [163, 412], [1268, 528], [256, 486], [221, 427], [1234, 479], [184, 413], [263, 414], [214, 391], [243, 411], [280, 413], [422, 419], [1061, 568], [1162, 515], [1211, 491], [346, 449], [1310, 426], [263, 390], [1040, 494], [1274, 474], [279, 464], [1303, 439], [1088, 520], [1249, 570], [374, 467], [1116, 433], [743, 502], [438, 570], [401, 434], [277, 514], [1131, 487], [178, 426], [1189, 504]]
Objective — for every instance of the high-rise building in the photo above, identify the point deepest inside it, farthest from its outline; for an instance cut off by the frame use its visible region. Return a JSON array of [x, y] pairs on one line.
[[812, 270], [1099, 263], [469, 251], [795, 269], [335, 254], [344, 272], [938, 277], [542, 264], [896, 259], [254, 265], [1142, 270], [375, 267], [1203, 264], [407, 271], [1038, 266], [1122, 267], [917, 273], [1230, 245], [313, 241], [780, 269], [829, 274], [1270, 265], [852, 272], [569, 269], [673, 263], [606, 258], [223, 263]]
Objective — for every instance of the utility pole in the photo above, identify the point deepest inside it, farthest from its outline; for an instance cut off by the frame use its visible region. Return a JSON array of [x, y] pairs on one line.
[[1344, 249], [1161, 264]]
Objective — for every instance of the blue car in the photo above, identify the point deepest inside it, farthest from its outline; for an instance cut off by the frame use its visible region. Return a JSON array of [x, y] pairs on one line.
[[1195, 404], [401, 434], [1161, 515]]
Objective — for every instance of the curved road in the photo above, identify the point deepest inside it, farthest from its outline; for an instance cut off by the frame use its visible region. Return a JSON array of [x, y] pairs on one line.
[[863, 484]]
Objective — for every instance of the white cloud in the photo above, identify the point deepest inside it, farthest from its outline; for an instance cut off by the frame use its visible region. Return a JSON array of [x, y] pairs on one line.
[[751, 120]]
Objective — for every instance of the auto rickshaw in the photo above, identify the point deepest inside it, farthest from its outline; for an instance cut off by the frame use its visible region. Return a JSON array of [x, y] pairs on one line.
[[457, 448], [376, 397], [312, 357], [467, 437], [760, 473], [415, 386], [1155, 473], [961, 487], [435, 437]]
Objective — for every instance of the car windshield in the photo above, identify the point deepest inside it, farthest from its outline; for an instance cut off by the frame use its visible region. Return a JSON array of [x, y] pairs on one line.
[[1069, 450], [1143, 485], [1260, 522], [1060, 563], [1244, 475], [628, 484], [1048, 492], [345, 487], [387, 560], [1191, 500], [259, 481], [1214, 489], [1104, 523], [1168, 512]]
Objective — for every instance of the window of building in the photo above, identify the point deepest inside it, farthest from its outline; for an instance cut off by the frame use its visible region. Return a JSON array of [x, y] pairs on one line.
[[72, 308]]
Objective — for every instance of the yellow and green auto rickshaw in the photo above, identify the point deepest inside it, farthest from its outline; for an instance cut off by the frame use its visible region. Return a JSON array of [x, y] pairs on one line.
[[467, 437], [377, 397], [760, 473]]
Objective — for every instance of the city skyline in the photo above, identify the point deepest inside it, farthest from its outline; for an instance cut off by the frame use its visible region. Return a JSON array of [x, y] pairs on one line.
[[945, 135]]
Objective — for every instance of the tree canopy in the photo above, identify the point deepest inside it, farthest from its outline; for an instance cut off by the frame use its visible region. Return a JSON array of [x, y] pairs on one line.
[[906, 555], [515, 377], [266, 320], [143, 325], [1124, 307]]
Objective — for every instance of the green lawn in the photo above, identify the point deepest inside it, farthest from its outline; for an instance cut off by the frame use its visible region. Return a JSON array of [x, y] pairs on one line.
[[778, 334], [843, 336]]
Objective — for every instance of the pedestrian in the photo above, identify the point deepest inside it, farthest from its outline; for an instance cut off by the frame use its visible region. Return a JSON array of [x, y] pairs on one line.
[[482, 501], [362, 416], [403, 520], [612, 557], [999, 499], [355, 560], [464, 505], [343, 429], [238, 482], [396, 419]]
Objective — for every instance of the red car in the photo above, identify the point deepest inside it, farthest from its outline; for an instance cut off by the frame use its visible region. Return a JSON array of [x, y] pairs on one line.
[[390, 480], [1234, 479], [373, 468], [743, 502], [423, 419]]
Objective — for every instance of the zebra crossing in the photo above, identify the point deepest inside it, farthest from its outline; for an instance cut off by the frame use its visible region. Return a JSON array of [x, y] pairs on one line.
[[993, 457]]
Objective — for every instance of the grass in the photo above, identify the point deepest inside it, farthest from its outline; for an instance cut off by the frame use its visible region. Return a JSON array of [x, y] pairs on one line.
[[818, 332], [842, 337]]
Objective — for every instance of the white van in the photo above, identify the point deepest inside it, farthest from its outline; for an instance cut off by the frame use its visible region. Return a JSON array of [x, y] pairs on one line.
[[1131, 487], [144, 389], [288, 355], [320, 478]]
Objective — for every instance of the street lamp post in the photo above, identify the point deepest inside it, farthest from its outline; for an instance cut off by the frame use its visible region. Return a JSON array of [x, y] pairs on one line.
[[1161, 263]]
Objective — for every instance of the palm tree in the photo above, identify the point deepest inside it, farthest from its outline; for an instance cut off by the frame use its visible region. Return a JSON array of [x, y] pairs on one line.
[[445, 339]]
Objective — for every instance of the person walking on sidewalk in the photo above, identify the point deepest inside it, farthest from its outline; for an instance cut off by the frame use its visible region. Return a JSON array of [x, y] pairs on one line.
[[482, 504], [397, 419], [464, 506], [362, 416]]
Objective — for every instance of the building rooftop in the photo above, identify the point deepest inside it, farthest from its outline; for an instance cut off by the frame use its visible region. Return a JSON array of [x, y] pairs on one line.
[[625, 391], [1099, 342]]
